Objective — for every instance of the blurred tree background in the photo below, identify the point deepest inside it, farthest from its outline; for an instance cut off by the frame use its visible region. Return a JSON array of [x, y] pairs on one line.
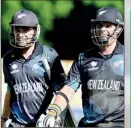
[[65, 24]]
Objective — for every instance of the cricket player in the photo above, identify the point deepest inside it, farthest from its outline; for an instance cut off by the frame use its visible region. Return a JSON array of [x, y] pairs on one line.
[[100, 72], [32, 72]]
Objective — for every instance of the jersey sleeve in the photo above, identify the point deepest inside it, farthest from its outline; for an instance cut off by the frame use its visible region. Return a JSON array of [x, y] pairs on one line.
[[74, 78], [6, 75], [58, 76]]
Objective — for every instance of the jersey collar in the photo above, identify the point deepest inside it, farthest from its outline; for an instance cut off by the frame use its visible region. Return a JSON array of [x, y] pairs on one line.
[[38, 50], [118, 50]]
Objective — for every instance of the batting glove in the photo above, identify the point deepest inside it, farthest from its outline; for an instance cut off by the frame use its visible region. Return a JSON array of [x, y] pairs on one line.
[[52, 119]]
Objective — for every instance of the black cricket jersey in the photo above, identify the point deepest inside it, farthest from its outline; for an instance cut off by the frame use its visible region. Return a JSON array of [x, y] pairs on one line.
[[102, 83], [31, 89]]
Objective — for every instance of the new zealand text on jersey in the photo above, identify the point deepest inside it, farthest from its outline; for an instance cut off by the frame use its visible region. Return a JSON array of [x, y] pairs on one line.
[[25, 87], [103, 84]]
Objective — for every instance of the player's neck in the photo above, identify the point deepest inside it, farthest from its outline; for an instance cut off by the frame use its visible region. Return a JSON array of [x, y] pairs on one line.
[[27, 52], [108, 50]]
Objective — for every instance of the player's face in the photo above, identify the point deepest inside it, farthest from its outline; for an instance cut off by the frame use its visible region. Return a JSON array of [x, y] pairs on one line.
[[105, 34], [106, 31], [23, 36]]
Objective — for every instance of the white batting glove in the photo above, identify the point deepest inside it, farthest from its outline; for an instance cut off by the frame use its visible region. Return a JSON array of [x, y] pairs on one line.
[[48, 121], [52, 119]]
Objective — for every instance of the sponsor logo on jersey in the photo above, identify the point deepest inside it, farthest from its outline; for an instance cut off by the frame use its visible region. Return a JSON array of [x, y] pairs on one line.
[[118, 63], [93, 66], [14, 67], [118, 67], [103, 84], [38, 68]]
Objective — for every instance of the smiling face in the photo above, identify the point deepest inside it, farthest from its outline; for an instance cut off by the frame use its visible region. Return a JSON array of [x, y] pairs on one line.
[[104, 33], [23, 36]]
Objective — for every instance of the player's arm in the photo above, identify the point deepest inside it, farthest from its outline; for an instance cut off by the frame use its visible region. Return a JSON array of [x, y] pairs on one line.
[[52, 119], [62, 100], [6, 108], [7, 97]]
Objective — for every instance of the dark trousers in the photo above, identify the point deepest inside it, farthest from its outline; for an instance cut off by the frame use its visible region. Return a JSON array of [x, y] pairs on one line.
[[101, 124]]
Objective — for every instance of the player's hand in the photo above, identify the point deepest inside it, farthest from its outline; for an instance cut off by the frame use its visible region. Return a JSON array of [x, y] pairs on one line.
[[48, 121], [52, 119]]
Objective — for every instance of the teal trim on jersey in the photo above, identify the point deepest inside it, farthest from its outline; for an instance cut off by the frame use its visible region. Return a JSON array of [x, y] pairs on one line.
[[74, 85], [8, 87]]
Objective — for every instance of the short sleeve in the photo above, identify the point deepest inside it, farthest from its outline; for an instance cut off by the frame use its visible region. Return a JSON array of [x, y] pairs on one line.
[[74, 78], [6, 75], [58, 76]]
